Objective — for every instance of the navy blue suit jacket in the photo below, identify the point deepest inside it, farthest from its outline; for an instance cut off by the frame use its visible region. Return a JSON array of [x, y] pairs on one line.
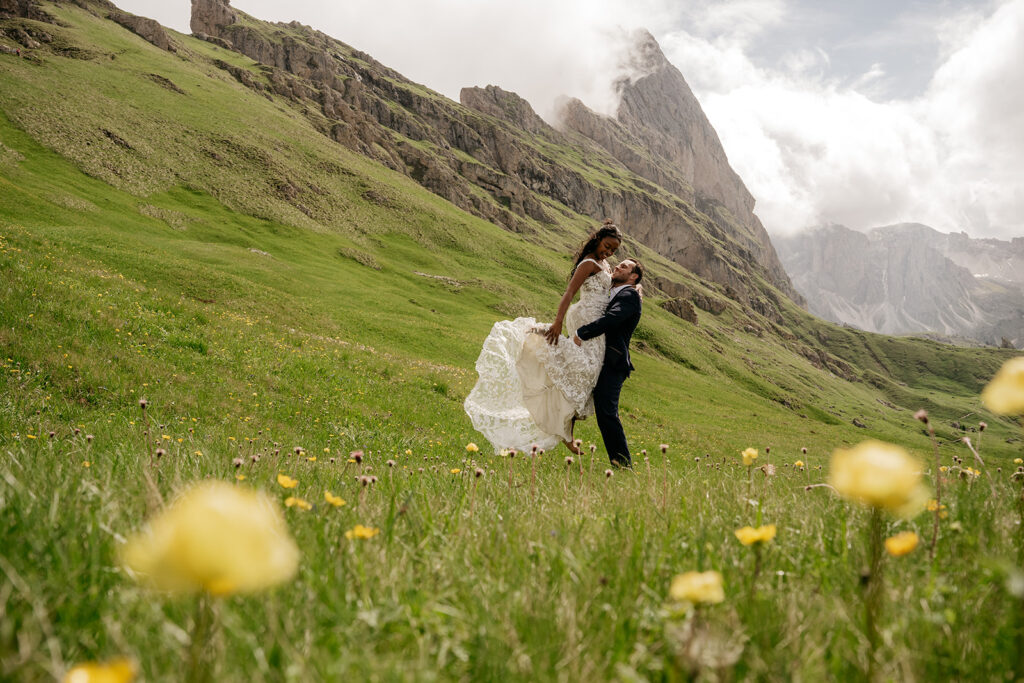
[[617, 325]]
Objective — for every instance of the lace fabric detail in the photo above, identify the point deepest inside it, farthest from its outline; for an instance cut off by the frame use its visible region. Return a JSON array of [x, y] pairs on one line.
[[496, 404]]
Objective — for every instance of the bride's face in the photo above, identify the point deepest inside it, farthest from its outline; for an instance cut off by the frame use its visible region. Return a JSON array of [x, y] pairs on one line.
[[606, 247]]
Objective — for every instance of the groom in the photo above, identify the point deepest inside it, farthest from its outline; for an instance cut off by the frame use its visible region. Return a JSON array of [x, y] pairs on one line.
[[617, 325]]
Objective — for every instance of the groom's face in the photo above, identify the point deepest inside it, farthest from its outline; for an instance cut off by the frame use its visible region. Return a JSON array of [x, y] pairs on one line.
[[623, 273]]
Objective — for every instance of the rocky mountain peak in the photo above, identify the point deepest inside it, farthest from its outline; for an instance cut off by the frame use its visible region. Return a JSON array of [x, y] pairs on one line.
[[908, 278], [505, 105], [210, 16]]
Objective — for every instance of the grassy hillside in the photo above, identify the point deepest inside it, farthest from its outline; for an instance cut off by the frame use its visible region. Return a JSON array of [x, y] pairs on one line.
[[355, 325]]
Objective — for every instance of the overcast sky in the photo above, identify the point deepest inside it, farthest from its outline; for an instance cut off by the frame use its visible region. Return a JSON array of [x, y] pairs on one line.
[[863, 112]]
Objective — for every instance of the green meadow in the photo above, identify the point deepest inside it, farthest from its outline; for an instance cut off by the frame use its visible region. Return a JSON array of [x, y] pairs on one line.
[[266, 340]]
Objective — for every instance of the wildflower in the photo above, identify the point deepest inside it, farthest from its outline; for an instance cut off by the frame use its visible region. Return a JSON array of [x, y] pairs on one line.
[[334, 500], [901, 544], [240, 477], [697, 587], [286, 482], [119, 670], [608, 474], [1004, 395], [360, 531], [160, 452], [982, 426], [292, 501], [297, 450], [391, 463], [408, 451], [799, 463], [921, 415], [357, 456], [216, 537], [143, 403], [455, 470], [512, 452], [472, 447], [804, 450], [478, 473], [568, 460], [89, 437], [664, 448], [749, 456], [879, 474], [943, 468], [86, 464], [1018, 461], [762, 535]]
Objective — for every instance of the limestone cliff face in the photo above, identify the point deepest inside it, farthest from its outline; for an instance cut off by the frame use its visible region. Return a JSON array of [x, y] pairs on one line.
[[680, 203], [898, 279]]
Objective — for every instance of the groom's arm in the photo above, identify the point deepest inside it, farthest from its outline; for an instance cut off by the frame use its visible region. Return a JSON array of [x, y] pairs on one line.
[[623, 308]]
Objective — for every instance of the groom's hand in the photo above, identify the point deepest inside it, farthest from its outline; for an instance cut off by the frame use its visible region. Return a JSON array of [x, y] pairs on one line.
[[576, 340]]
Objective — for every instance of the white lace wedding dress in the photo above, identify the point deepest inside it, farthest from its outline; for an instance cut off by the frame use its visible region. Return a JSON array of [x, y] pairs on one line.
[[529, 390]]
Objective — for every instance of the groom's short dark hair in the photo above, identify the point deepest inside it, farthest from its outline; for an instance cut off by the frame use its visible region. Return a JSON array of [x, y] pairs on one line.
[[638, 269]]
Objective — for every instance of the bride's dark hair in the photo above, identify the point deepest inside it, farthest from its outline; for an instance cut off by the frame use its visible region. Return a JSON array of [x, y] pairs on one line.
[[590, 244]]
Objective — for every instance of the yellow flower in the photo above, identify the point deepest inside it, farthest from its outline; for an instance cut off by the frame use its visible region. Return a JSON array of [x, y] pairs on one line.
[[798, 463], [697, 587], [749, 456], [292, 501], [240, 477], [286, 481], [472, 447], [1004, 395], [334, 500], [119, 670], [216, 537], [881, 475], [408, 451], [455, 470], [1018, 461], [943, 468], [749, 535], [901, 544], [360, 531]]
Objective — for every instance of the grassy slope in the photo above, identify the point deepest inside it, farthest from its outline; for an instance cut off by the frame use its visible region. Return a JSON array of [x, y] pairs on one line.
[[330, 339]]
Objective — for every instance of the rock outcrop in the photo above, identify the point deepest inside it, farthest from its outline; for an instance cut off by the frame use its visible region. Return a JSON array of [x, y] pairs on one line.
[[909, 279], [493, 156], [146, 28]]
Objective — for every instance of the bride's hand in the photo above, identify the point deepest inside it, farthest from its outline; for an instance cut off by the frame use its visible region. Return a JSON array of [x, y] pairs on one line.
[[553, 333]]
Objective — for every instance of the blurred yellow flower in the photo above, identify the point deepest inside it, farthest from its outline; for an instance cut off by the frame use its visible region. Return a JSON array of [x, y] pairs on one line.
[[455, 470], [292, 501], [472, 447], [216, 537], [881, 475], [119, 670], [360, 531], [1018, 461], [749, 456], [901, 544], [286, 481], [697, 587], [748, 535], [408, 451], [943, 468], [798, 463], [1004, 395], [334, 500]]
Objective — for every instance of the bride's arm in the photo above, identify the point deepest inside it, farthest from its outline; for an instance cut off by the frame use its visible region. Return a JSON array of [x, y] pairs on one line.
[[584, 271]]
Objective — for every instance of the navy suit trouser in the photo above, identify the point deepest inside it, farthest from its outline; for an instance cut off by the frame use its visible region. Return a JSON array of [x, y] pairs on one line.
[[606, 406]]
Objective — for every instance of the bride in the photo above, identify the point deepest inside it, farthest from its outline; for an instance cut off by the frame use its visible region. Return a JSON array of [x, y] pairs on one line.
[[534, 383]]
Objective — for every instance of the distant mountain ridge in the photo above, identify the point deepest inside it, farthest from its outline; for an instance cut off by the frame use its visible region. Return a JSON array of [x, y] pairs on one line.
[[910, 278]]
